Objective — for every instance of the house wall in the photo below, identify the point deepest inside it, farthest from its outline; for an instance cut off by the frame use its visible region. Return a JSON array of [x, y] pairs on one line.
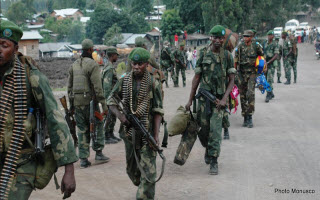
[[29, 48]]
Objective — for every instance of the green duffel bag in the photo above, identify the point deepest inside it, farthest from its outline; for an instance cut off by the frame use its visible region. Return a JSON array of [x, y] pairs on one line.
[[179, 122]]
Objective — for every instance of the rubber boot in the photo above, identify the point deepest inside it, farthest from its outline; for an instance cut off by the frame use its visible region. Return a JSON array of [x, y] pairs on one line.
[[108, 139], [245, 121], [268, 97], [279, 80], [250, 124], [288, 82], [295, 79], [100, 158], [226, 134], [115, 138], [206, 157], [84, 163], [184, 85], [272, 95], [214, 166]]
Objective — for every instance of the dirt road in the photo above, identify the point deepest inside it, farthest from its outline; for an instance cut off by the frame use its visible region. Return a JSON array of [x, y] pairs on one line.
[[280, 152]]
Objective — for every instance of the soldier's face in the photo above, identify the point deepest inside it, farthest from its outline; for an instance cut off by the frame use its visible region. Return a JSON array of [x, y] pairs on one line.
[[283, 36], [270, 37], [217, 41], [139, 68], [247, 39], [7, 51]]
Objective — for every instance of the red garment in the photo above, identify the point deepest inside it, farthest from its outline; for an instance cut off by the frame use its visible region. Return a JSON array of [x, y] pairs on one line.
[[176, 38]]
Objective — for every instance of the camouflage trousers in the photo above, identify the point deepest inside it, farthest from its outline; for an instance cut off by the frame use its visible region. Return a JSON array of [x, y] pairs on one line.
[[166, 74], [82, 116], [288, 64], [23, 183], [146, 190], [183, 74], [271, 72], [111, 123], [247, 92], [211, 127], [225, 120], [278, 68]]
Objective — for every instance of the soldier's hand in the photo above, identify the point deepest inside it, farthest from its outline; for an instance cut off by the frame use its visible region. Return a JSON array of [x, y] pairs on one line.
[[188, 106], [124, 120], [68, 183], [221, 103]]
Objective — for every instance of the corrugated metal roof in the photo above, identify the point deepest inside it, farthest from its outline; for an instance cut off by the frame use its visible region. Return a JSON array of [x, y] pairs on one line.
[[31, 35], [131, 39], [84, 19], [125, 37], [66, 12], [35, 26], [51, 47]]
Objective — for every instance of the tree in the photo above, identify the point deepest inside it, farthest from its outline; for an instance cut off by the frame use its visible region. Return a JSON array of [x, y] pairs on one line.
[[18, 13], [171, 24], [113, 35], [191, 14], [141, 6], [76, 33]]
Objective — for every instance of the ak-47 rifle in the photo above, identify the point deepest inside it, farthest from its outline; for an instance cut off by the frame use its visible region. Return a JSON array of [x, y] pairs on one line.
[[94, 116], [138, 126], [70, 120], [40, 135]]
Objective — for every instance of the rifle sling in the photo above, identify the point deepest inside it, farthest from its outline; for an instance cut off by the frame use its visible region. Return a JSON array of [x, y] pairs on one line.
[[143, 173]]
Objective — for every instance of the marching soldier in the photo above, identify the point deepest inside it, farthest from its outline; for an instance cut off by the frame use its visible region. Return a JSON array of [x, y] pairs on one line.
[[167, 62], [245, 58], [214, 67], [278, 68], [287, 57], [142, 96], [294, 42], [84, 85], [180, 63], [26, 99], [109, 79]]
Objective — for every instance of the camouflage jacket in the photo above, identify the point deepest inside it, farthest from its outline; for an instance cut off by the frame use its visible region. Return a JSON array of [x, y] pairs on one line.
[[156, 101], [214, 69], [108, 79], [245, 56], [270, 49], [167, 58], [280, 51], [39, 95], [92, 80], [286, 48], [180, 55]]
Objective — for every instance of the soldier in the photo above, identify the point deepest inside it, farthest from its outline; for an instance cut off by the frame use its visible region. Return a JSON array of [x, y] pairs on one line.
[[271, 50], [287, 57], [109, 79], [84, 85], [278, 68], [226, 125], [245, 58], [294, 42], [167, 62], [141, 94], [180, 63], [214, 67], [23, 87]]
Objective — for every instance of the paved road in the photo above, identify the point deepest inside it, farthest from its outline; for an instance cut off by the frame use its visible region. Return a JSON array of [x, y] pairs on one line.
[[282, 151]]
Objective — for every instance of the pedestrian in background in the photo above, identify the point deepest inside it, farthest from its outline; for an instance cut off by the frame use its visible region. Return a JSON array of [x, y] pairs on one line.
[[189, 59]]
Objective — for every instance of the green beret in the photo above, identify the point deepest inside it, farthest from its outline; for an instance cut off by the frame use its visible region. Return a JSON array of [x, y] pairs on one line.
[[270, 32], [139, 42], [182, 44], [112, 51], [139, 55], [285, 33], [87, 44], [10, 31], [218, 30]]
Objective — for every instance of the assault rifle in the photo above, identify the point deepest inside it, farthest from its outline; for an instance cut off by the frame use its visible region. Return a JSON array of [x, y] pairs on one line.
[[40, 135], [70, 120], [94, 116]]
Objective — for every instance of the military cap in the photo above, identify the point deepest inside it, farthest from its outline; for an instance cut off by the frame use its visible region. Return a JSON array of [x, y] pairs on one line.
[[112, 50], [254, 31], [285, 33], [10, 31], [248, 33], [87, 44], [218, 30], [139, 42], [182, 44], [277, 38], [139, 55], [270, 32]]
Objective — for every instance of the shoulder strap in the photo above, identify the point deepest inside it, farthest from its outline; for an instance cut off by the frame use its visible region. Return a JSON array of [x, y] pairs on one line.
[[227, 41]]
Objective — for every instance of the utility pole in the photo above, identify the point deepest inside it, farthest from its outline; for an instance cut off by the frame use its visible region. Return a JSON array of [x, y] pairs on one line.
[[159, 31]]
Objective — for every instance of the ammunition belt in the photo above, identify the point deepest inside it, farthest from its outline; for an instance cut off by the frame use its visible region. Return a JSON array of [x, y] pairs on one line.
[[14, 92]]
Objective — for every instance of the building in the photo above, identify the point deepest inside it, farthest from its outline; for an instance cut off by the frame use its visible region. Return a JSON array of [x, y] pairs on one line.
[[35, 27], [69, 13], [196, 40], [29, 44], [84, 20], [129, 40], [55, 50]]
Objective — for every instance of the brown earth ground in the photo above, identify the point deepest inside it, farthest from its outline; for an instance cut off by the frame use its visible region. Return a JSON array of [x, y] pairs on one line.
[[280, 152]]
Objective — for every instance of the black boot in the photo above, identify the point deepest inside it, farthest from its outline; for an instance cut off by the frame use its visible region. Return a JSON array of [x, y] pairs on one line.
[[206, 157], [250, 124], [272, 95], [226, 134], [115, 138], [295, 80], [84, 163], [268, 97], [100, 158], [213, 166], [108, 139], [288, 82], [245, 121], [279, 80]]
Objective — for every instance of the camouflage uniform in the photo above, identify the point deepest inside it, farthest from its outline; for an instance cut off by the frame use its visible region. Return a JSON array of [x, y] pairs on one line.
[[246, 56], [295, 58], [278, 68], [214, 70], [39, 94], [167, 63], [147, 156], [84, 78], [180, 55], [287, 62], [270, 50], [109, 79]]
